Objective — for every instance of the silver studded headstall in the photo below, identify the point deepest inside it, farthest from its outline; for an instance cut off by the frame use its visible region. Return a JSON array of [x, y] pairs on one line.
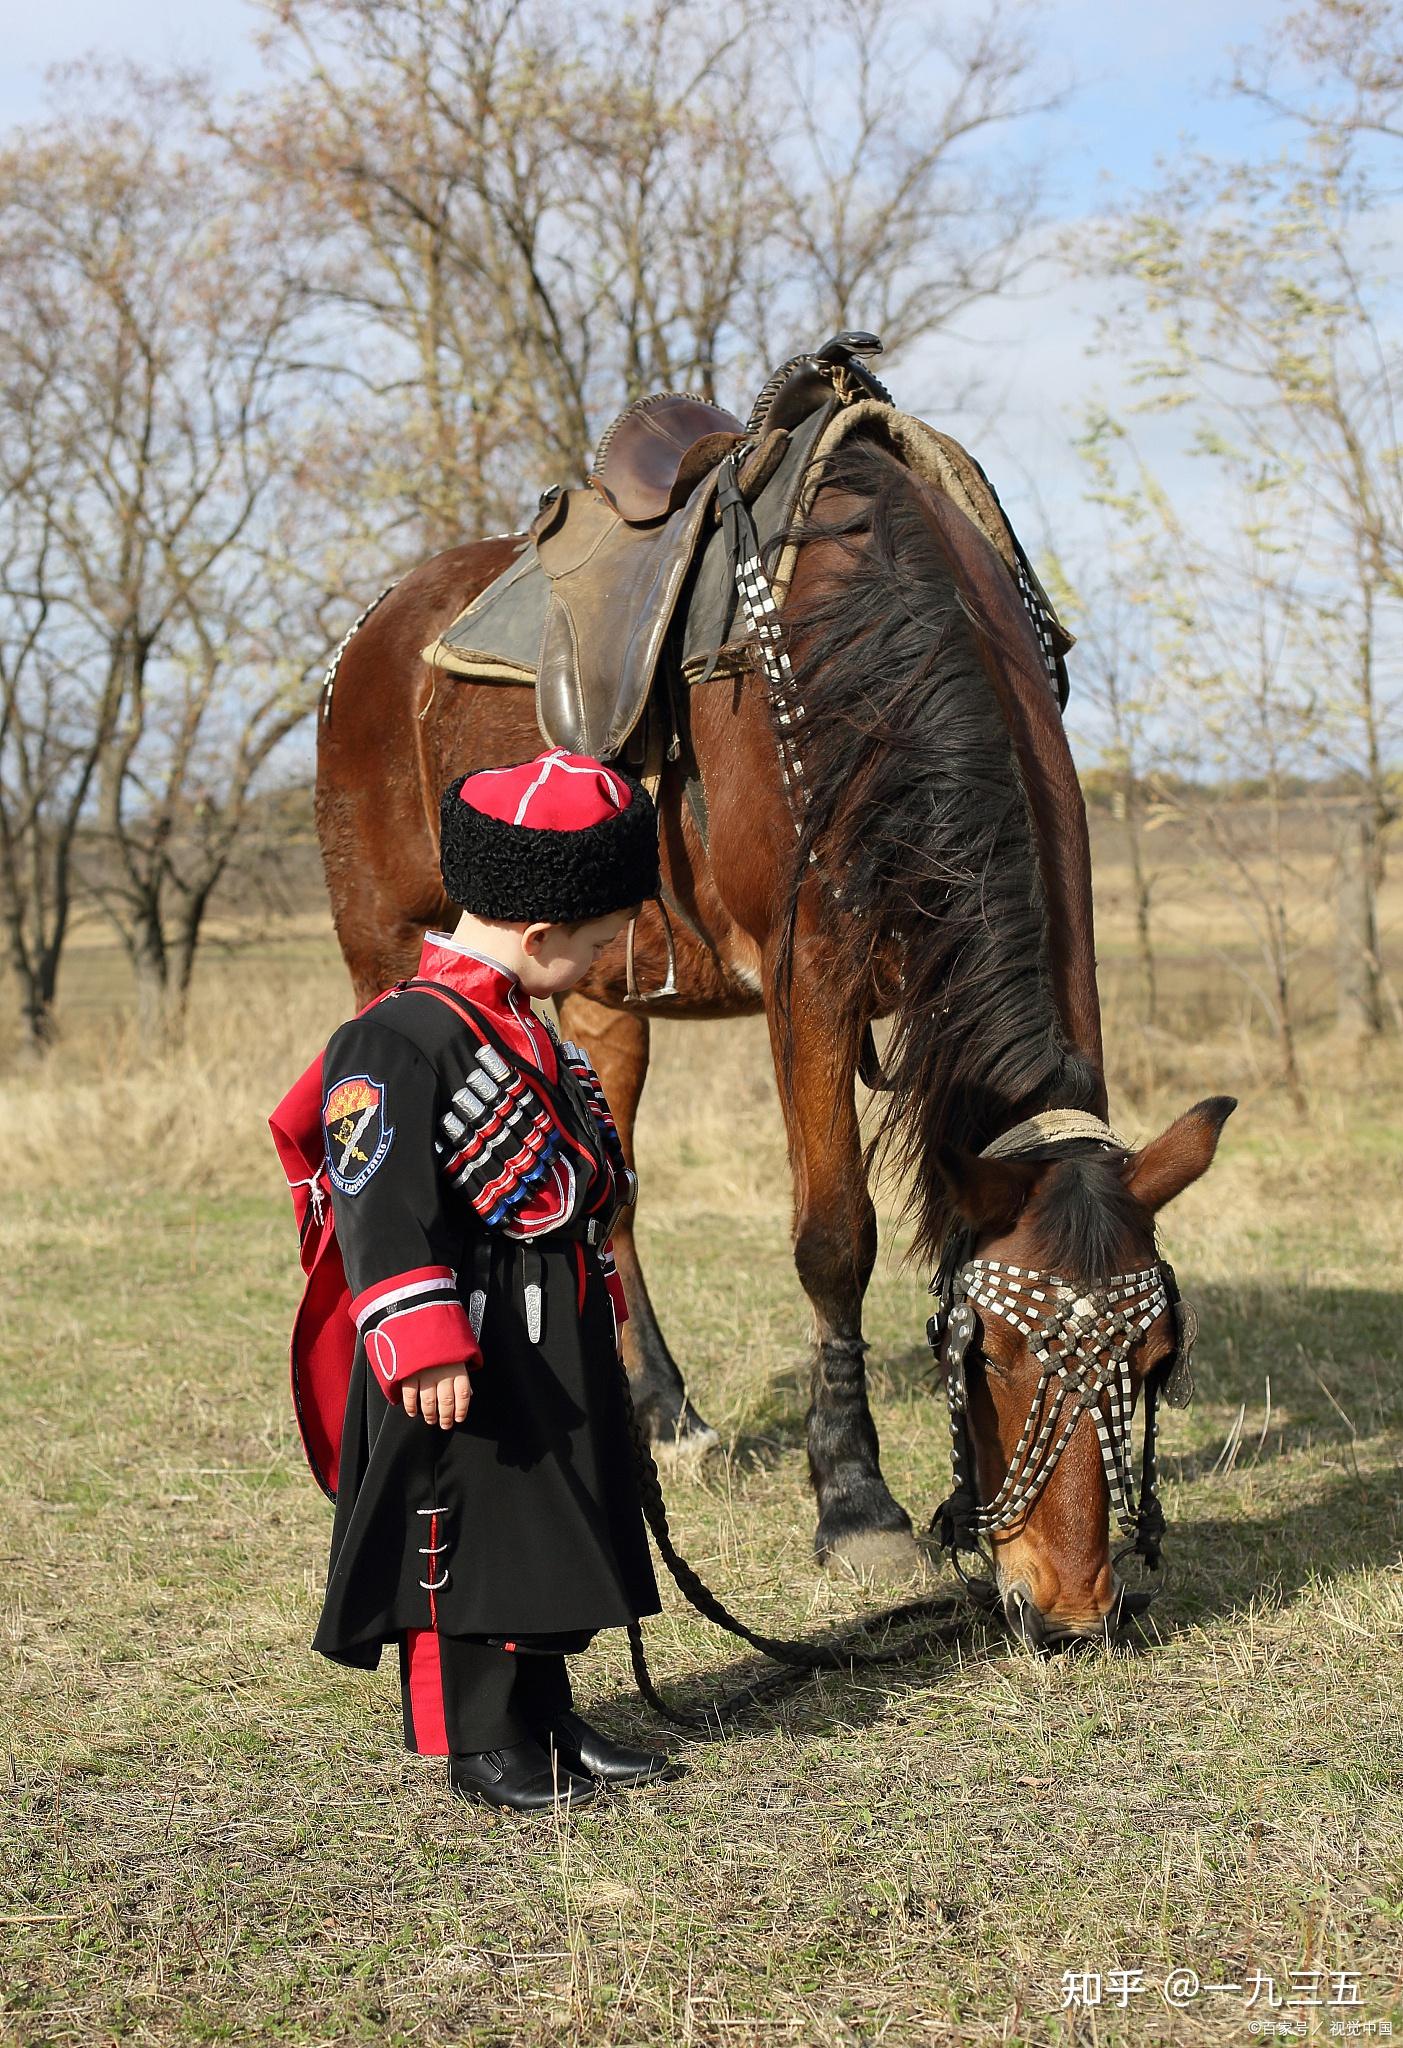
[[1082, 1338]]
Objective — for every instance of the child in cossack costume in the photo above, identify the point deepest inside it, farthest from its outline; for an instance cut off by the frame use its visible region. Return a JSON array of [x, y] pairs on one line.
[[455, 1361]]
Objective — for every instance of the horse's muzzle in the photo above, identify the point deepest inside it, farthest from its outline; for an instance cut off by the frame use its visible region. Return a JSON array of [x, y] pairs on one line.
[[1038, 1631]]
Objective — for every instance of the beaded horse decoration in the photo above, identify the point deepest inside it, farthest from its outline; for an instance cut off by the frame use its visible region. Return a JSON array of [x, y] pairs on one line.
[[1083, 1336]]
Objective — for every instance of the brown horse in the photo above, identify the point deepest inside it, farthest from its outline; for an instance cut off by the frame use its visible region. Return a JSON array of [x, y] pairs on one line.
[[938, 877]]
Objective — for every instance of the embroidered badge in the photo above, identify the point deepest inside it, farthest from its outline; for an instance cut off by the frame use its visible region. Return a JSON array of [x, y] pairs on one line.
[[357, 1135]]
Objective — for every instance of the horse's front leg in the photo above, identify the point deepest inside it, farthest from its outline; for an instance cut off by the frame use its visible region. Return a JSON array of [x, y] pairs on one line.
[[617, 1041], [835, 1248]]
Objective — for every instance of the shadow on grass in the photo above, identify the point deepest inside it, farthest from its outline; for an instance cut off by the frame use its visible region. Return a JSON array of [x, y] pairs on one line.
[[1332, 1359], [1218, 1569], [1221, 1567]]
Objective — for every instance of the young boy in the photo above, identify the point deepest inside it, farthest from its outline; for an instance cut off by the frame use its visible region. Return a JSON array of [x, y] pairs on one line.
[[487, 1512]]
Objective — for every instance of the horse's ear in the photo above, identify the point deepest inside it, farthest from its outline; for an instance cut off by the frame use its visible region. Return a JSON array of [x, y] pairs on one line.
[[1171, 1162], [988, 1193]]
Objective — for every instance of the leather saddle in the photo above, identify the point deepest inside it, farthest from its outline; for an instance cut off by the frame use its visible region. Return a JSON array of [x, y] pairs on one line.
[[618, 552], [658, 450], [632, 566]]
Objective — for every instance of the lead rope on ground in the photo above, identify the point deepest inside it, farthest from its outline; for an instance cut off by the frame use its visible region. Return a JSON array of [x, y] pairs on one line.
[[799, 1660]]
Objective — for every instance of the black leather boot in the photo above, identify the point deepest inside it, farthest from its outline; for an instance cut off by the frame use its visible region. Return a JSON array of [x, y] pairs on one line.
[[520, 1778], [582, 1748]]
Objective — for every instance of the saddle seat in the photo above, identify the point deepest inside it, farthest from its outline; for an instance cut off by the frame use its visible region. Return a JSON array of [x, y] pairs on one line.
[[657, 451]]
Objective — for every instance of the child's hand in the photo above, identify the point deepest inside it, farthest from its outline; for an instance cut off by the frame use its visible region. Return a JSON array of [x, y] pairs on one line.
[[440, 1394]]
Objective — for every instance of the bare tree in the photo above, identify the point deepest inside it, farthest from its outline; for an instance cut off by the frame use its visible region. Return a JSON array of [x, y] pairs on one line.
[[55, 718], [1335, 68], [902, 191], [1115, 607], [521, 217], [142, 322], [1225, 618], [1273, 309]]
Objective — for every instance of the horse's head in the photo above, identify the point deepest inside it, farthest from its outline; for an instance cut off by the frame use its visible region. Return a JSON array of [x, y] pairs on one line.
[[1057, 1316]]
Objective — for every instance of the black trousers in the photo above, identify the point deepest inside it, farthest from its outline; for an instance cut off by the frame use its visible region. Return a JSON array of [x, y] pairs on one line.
[[462, 1694]]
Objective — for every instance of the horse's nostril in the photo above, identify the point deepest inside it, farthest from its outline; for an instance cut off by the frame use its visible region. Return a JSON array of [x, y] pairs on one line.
[[1024, 1618]]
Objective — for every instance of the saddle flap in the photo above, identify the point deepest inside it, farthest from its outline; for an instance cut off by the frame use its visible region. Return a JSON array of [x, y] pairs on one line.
[[495, 639], [571, 531], [614, 583]]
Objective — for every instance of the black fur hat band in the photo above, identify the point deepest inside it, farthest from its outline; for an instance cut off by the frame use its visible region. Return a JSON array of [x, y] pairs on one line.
[[558, 840]]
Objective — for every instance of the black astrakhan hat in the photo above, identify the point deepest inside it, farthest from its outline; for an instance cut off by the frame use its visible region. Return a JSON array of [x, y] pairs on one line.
[[559, 840]]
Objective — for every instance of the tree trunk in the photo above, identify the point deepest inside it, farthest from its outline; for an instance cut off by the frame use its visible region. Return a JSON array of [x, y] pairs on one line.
[[1140, 891], [1286, 1013], [151, 966], [34, 980], [38, 1025], [184, 944], [1358, 995]]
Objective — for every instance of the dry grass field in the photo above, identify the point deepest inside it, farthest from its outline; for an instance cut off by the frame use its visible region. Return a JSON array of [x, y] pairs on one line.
[[210, 1835]]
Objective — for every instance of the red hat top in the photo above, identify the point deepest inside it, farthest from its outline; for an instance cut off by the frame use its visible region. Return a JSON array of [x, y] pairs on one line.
[[557, 792]]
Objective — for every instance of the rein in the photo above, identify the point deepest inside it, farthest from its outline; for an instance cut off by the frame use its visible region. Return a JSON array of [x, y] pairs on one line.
[[798, 1660], [1082, 1337]]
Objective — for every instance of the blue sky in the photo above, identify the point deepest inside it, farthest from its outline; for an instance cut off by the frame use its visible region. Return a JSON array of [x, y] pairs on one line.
[[216, 33], [1145, 80], [1146, 71]]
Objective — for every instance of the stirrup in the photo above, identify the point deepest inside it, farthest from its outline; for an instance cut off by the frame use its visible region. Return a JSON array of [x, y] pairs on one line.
[[632, 992]]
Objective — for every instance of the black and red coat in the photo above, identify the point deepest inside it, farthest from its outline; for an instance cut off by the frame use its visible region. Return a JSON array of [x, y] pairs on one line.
[[459, 1212]]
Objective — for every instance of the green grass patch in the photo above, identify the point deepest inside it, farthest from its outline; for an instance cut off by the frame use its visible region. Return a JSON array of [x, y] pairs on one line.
[[210, 1835]]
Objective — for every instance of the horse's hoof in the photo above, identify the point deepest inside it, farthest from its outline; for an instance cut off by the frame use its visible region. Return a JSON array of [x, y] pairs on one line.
[[885, 1557], [686, 1448]]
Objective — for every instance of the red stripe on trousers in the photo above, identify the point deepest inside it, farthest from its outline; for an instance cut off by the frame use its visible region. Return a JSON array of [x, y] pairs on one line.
[[426, 1693]]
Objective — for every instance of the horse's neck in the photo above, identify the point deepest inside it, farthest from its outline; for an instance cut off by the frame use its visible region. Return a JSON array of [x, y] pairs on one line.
[[1019, 680]]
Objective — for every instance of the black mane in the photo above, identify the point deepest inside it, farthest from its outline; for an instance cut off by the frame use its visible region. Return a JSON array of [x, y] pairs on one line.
[[917, 811]]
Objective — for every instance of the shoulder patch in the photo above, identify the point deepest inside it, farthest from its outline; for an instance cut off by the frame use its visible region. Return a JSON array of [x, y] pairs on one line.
[[357, 1134]]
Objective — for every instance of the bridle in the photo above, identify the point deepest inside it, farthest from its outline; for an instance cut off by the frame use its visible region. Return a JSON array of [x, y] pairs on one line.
[[1082, 1337]]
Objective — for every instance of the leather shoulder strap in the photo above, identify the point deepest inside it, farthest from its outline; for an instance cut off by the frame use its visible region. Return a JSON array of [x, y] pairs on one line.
[[461, 1007]]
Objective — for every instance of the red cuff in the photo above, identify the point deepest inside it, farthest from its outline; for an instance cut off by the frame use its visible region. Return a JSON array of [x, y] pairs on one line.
[[412, 1321], [435, 1333]]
